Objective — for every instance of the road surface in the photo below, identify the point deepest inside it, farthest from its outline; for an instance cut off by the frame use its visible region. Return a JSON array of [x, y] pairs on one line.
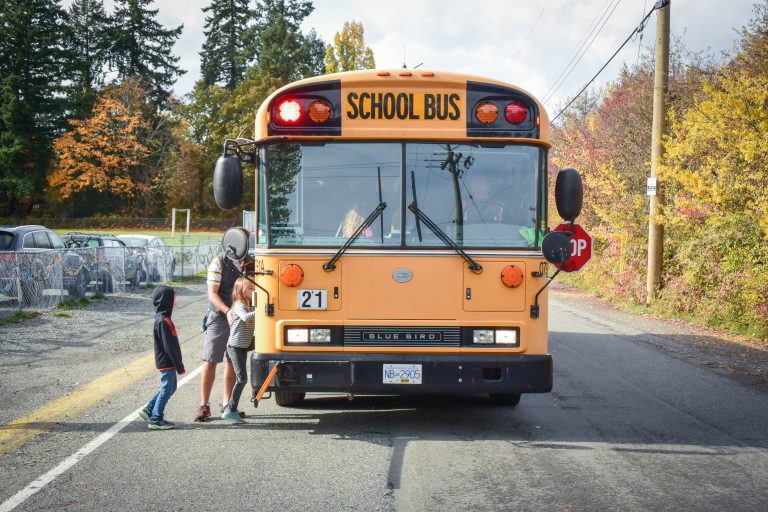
[[636, 421]]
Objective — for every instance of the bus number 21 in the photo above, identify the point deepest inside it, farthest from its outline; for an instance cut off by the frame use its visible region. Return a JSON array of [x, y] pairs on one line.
[[313, 299]]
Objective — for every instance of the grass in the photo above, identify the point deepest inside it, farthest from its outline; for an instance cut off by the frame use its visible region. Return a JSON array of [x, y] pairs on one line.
[[19, 317], [187, 279], [73, 303], [62, 314], [98, 296]]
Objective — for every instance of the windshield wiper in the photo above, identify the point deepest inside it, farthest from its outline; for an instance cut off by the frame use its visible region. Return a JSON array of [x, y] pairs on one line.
[[420, 215], [331, 264]]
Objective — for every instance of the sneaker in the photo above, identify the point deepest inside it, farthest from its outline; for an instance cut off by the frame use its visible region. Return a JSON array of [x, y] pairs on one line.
[[224, 409], [161, 425], [203, 413], [144, 414], [232, 416]]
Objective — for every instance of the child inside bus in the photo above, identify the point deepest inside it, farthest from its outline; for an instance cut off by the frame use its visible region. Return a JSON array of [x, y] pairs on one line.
[[239, 343]]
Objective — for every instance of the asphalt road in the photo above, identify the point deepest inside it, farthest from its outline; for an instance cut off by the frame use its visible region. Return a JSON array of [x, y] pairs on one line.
[[633, 423]]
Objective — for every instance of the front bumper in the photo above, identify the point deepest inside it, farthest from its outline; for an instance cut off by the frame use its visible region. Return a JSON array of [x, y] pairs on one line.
[[441, 373]]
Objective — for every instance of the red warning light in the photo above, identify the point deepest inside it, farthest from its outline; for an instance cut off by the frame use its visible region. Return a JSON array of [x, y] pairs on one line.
[[289, 111], [516, 112]]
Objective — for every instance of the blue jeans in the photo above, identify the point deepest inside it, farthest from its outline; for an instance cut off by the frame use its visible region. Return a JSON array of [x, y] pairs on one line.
[[167, 388]]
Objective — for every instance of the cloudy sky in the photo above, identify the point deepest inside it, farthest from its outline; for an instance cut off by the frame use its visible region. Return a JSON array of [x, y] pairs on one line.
[[528, 43]]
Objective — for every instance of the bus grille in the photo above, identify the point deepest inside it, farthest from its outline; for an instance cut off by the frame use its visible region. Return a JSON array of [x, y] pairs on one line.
[[374, 336]]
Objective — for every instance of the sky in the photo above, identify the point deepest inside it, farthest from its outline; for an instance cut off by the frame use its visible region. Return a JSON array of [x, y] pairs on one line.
[[524, 42]]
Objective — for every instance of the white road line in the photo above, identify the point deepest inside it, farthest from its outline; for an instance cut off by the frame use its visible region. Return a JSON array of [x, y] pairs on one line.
[[43, 480]]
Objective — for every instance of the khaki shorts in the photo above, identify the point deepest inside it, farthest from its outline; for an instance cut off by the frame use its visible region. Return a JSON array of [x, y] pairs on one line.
[[216, 337]]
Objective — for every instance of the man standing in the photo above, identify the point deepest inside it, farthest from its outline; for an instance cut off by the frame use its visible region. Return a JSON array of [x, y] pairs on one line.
[[221, 280]]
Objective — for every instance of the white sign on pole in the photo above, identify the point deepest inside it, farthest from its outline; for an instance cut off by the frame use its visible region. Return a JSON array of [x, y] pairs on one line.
[[651, 187]]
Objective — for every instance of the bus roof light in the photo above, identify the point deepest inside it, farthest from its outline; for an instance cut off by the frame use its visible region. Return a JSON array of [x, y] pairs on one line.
[[515, 112], [319, 111], [486, 112], [289, 111]]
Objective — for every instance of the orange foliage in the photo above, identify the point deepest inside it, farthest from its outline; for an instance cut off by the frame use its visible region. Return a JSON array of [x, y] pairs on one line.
[[105, 152]]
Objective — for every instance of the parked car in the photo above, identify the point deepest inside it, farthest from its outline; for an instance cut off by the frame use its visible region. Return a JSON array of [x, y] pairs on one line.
[[159, 255], [112, 258], [37, 274]]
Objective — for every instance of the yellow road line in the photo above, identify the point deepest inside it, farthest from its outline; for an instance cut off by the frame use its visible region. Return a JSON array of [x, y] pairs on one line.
[[19, 431]]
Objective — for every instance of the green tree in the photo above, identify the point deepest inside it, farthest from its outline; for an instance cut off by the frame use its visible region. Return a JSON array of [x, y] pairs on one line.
[[211, 115], [16, 182], [348, 52], [281, 49], [32, 66], [225, 54], [88, 44], [142, 47]]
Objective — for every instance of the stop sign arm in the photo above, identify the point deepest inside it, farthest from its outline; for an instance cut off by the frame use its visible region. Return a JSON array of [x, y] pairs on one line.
[[535, 305]]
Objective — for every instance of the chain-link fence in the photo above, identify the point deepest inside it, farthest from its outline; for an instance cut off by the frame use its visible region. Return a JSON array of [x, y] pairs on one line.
[[41, 280]]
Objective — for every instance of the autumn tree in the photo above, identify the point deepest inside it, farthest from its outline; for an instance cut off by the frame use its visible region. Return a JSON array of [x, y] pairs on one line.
[[105, 154], [607, 136], [715, 174], [348, 52]]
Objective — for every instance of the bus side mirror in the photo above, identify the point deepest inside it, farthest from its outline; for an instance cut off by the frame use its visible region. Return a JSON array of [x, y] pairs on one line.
[[228, 182], [556, 247], [569, 192]]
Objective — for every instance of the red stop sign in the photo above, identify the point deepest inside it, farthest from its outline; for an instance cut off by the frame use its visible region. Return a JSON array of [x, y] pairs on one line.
[[581, 246]]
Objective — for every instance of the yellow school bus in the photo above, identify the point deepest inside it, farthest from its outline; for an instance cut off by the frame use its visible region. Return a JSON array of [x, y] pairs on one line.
[[400, 224]]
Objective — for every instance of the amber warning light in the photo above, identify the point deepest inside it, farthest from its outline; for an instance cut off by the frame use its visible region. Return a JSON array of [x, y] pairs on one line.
[[319, 111]]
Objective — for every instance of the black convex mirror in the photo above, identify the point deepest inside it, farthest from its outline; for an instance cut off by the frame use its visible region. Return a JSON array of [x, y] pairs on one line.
[[228, 182], [556, 247], [569, 193], [235, 243]]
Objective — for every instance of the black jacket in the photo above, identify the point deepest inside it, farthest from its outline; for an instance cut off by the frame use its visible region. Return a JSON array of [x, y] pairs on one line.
[[167, 349]]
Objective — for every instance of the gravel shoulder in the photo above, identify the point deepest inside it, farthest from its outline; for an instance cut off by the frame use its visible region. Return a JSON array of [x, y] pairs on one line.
[[44, 358]]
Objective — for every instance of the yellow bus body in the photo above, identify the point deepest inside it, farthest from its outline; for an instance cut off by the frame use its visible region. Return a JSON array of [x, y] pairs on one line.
[[362, 293]]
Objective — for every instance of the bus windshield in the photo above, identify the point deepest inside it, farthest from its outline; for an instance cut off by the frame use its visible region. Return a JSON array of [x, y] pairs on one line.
[[481, 197]]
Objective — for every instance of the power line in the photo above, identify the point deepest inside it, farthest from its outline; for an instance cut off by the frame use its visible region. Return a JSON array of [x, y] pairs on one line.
[[525, 40], [660, 4], [580, 49]]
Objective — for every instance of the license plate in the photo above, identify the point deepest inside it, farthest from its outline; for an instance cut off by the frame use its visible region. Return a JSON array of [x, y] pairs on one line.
[[312, 299], [402, 374]]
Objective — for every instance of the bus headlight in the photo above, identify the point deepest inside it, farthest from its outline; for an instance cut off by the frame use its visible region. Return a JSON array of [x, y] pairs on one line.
[[320, 335], [297, 335], [484, 336], [506, 336]]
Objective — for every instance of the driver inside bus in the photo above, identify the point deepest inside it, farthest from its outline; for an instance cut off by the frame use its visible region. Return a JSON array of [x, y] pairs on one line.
[[481, 206]]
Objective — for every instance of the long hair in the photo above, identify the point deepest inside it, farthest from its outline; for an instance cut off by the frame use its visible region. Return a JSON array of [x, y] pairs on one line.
[[240, 290]]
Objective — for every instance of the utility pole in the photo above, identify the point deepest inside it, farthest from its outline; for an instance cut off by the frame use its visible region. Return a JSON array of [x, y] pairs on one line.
[[655, 190]]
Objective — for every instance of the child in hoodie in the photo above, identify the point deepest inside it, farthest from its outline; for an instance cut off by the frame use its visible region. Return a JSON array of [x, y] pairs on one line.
[[167, 359]]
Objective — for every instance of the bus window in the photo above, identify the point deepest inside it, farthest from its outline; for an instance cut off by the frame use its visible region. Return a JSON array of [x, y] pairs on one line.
[[480, 196], [319, 194]]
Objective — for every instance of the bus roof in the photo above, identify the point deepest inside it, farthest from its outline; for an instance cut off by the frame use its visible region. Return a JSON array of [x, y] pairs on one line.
[[402, 104]]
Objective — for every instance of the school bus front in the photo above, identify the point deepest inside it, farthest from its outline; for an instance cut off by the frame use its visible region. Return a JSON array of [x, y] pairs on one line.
[[400, 217]]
